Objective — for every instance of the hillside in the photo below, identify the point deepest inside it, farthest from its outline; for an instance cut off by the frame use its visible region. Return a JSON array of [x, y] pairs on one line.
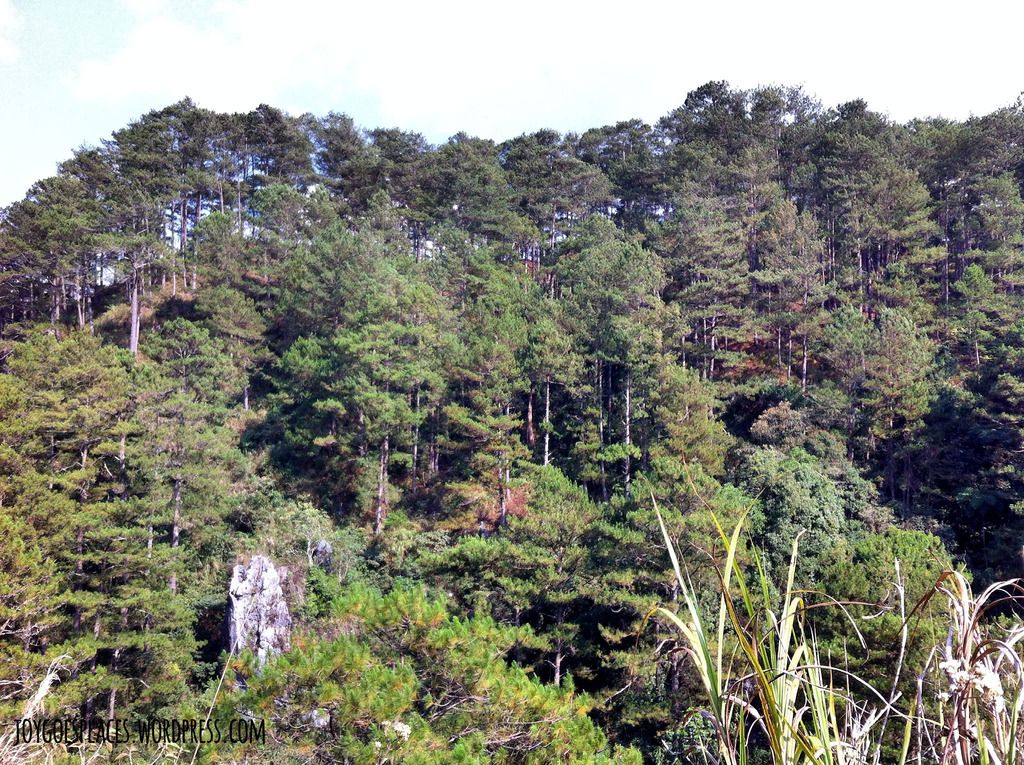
[[442, 389]]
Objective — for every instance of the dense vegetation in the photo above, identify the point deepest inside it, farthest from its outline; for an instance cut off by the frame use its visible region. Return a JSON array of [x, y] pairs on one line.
[[472, 368]]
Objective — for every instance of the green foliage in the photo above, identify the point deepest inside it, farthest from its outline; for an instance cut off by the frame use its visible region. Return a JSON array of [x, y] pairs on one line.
[[798, 705], [863, 575], [403, 679], [538, 571], [79, 526], [468, 367], [793, 496]]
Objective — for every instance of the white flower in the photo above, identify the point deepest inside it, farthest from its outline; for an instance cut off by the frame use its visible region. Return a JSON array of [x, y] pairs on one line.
[[399, 728], [979, 679], [988, 685], [956, 673]]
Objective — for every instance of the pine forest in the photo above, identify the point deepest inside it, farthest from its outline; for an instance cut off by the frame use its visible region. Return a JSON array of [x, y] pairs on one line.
[[699, 441]]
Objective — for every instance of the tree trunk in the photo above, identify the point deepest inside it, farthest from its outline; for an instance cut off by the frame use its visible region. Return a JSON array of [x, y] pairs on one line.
[[83, 496], [803, 367], [184, 242], [76, 621], [112, 700], [363, 447], [88, 311], [416, 440], [115, 666], [96, 632], [175, 531], [547, 420], [133, 341], [502, 504], [433, 455], [382, 489], [80, 300], [558, 662], [789, 354], [945, 277], [195, 253], [54, 303], [600, 428], [531, 436], [508, 485], [629, 430]]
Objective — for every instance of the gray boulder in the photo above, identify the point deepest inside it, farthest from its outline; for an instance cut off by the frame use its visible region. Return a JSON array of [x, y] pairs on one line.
[[259, 619], [322, 555]]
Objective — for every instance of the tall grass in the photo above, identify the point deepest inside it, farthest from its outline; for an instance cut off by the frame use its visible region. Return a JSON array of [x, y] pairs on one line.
[[769, 687], [15, 752], [11, 749]]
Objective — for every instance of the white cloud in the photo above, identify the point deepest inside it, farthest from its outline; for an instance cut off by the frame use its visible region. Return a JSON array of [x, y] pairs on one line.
[[497, 69], [10, 25], [143, 7]]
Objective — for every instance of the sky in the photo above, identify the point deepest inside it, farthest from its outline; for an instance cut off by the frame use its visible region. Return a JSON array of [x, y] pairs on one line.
[[73, 71]]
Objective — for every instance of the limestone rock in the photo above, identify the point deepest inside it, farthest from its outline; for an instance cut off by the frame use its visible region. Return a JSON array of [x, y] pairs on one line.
[[259, 616], [322, 555]]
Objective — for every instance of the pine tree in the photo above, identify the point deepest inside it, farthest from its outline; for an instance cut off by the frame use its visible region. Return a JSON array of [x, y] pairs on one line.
[[130, 645], [899, 390]]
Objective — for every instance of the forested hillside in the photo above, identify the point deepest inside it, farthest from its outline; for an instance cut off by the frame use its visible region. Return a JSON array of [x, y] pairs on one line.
[[472, 369]]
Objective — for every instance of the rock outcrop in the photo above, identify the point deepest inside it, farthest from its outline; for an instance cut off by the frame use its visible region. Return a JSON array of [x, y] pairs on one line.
[[259, 619], [322, 555]]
